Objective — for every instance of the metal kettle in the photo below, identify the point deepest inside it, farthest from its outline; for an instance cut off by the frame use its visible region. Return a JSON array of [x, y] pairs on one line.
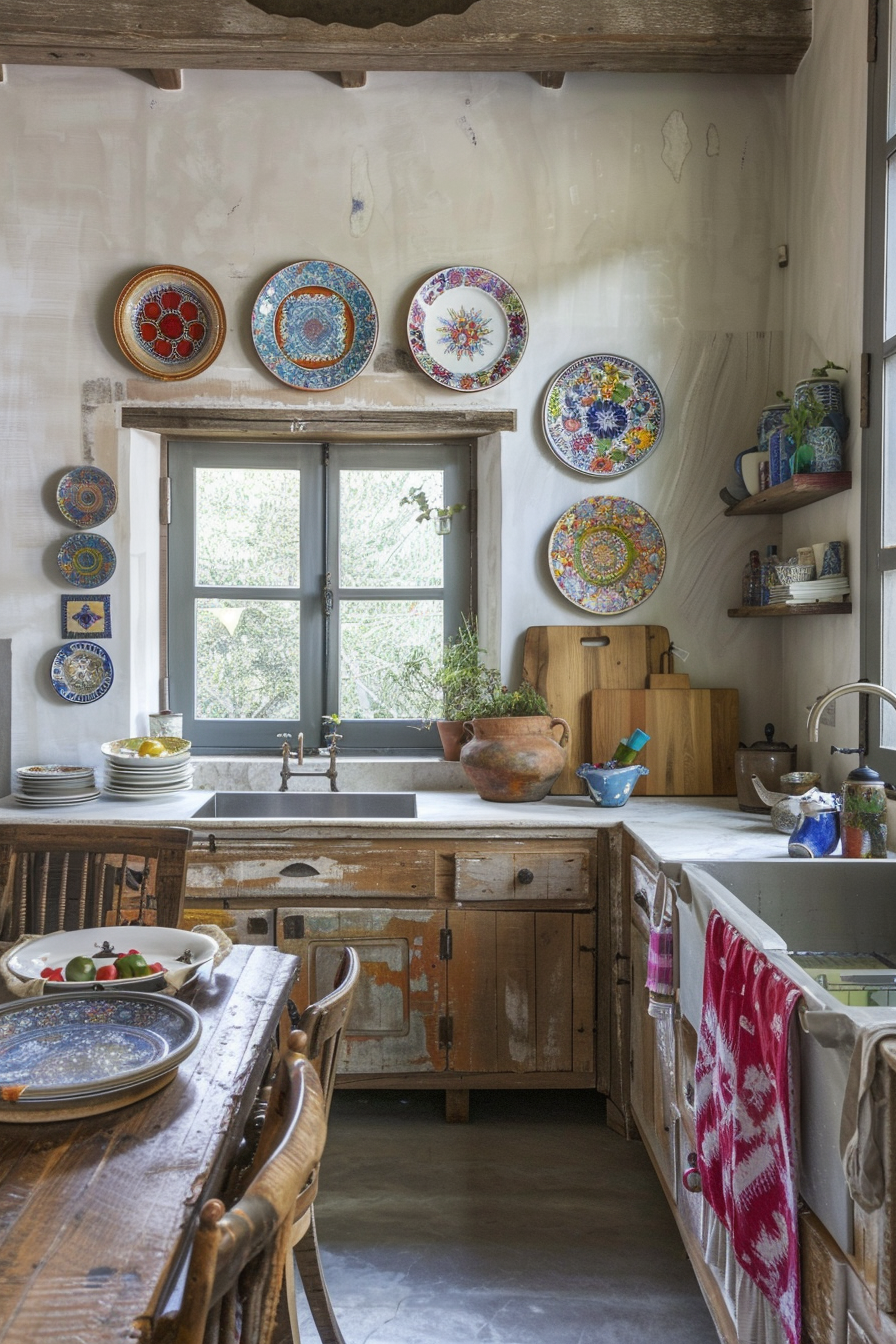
[[769, 760]]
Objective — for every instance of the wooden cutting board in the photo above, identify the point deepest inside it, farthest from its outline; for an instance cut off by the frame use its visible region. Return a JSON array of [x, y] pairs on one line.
[[693, 738], [566, 662]]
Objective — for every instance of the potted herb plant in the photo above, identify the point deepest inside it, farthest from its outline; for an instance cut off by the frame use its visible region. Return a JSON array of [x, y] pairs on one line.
[[441, 517], [815, 445], [450, 689], [513, 756]]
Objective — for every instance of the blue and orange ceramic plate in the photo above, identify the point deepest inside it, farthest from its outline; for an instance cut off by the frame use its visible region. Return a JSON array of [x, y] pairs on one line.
[[314, 325], [607, 554], [86, 559], [603, 414], [86, 496], [467, 328], [81, 672], [169, 322]]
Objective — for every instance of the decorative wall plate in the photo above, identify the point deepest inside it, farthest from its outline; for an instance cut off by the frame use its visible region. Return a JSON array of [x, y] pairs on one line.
[[86, 559], [603, 414], [467, 328], [607, 554], [81, 672], [86, 616], [169, 323], [314, 325], [86, 496]]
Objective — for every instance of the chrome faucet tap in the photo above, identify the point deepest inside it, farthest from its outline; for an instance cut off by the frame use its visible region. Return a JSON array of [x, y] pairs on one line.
[[286, 774], [860, 688]]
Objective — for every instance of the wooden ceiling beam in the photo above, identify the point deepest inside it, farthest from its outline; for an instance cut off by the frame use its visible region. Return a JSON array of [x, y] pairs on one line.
[[353, 79]]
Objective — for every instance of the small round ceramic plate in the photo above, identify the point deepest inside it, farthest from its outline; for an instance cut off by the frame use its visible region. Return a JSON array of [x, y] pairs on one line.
[[86, 496], [607, 554], [314, 325], [86, 559], [603, 414], [467, 328], [81, 672], [169, 323]]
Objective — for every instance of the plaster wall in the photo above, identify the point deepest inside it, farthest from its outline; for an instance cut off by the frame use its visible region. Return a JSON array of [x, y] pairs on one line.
[[636, 215]]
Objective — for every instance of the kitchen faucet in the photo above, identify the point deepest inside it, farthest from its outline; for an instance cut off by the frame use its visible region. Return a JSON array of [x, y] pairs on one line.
[[331, 738], [860, 687]]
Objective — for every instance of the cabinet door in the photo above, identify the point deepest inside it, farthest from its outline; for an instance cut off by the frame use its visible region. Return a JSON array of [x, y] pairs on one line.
[[394, 1023], [521, 991]]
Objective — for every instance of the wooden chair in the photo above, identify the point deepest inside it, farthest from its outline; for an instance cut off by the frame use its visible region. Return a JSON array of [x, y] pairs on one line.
[[82, 876], [323, 1023], [235, 1275]]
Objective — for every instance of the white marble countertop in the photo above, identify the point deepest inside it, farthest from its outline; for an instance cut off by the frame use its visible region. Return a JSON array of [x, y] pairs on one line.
[[674, 830]]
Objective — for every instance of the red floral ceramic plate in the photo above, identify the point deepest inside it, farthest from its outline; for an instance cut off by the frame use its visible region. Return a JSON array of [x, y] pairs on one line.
[[169, 322]]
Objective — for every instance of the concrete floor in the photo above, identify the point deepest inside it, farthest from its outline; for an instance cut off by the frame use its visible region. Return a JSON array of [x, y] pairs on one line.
[[533, 1224]]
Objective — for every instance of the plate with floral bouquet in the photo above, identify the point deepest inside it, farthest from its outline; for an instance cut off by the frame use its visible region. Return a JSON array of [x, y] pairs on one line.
[[603, 414], [467, 328]]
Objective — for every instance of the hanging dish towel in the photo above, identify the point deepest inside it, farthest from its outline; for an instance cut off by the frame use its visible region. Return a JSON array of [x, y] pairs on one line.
[[743, 1114], [655, 893]]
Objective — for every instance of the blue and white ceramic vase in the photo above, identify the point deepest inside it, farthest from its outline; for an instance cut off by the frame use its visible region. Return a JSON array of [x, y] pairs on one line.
[[817, 833], [827, 450], [829, 392], [779, 451]]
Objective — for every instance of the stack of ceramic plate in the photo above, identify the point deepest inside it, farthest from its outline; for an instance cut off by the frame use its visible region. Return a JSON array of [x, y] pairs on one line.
[[54, 785], [142, 778], [831, 589], [778, 593]]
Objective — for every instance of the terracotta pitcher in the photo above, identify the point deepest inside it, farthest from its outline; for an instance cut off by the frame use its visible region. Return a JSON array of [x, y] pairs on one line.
[[514, 760]]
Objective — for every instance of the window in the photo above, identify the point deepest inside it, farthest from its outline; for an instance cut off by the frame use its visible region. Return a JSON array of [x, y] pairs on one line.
[[298, 584], [879, 456]]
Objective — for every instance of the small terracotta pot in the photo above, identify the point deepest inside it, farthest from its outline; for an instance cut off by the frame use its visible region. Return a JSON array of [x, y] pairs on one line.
[[453, 734], [514, 760]]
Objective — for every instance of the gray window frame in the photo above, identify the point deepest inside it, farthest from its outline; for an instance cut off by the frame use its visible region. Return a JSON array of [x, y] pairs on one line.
[[877, 559], [320, 592]]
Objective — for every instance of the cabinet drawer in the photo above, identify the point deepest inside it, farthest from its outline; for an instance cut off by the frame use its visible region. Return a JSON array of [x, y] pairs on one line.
[[257, 927], [520, 875], [278, 872]]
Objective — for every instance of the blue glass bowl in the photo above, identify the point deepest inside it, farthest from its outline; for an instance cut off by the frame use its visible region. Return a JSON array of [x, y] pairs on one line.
[[611, 788]]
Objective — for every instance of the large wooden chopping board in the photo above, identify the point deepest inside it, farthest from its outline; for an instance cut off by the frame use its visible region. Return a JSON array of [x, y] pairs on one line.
[[693, 737], [566, 662]]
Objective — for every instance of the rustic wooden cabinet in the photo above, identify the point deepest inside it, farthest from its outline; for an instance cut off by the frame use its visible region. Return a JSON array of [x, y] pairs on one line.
[[477, 955]]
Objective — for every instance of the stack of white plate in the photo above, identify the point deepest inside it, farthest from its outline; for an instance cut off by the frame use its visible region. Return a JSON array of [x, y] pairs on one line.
[[831, 589], [55, 785], [142, 778], [778, 593]]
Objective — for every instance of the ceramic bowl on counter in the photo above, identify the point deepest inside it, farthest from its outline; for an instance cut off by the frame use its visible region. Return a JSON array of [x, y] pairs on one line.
[[169, 947], [126, 750], [611, 788]]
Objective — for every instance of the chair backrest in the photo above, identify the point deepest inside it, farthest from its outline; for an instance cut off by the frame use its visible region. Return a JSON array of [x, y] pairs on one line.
[[75, 877], [238, 1256], [323, 1022]]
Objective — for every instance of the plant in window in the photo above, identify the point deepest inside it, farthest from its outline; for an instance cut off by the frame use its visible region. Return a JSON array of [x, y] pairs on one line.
[[514, 756], [431, 512], [450, 689], [501, 703]]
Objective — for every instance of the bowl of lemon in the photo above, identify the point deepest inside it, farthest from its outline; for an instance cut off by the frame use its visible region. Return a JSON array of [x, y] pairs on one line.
[[158, 751]]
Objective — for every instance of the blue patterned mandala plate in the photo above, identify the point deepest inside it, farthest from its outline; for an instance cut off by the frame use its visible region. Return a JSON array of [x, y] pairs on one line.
[[86, 496], [467, 328], [314, 325], [81, 672], [603, 414], [86, 559], [607, 554]]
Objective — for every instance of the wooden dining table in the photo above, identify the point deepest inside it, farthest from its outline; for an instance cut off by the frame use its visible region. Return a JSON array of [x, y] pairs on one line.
[[97, 1215]]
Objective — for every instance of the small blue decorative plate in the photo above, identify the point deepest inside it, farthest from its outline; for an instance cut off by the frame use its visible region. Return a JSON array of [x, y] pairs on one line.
[[86, 496], [467, 328], [81, 672], [314, 325], [603, 414], [86, 559]]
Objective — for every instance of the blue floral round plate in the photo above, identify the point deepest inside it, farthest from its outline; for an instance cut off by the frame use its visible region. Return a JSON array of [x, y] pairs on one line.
[[607, 554], [314, 325], [467, 328], [81, 672], [86, 496], [603, 414], [86, 559]]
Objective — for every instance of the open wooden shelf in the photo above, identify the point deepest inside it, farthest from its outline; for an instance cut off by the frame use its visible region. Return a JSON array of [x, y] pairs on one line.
[[803, 609], [793, 494]]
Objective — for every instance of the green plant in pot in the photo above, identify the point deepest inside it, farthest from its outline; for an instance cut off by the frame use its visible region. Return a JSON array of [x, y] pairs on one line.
[[514, 756], [799, 420], [450, 688]]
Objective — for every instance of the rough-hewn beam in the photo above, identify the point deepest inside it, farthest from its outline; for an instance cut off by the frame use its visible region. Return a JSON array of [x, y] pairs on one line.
[[741, 36], [353, 79], [316, 422], [168, 79]]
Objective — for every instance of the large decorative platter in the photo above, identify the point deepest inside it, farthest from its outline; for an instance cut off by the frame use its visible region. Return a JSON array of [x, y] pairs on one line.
[[603, 415], [86, 496], [176, 949], [81, 672], [314, 325], [467, 328], [607, 554], [71, 1047], [86, 559], [169, 323]]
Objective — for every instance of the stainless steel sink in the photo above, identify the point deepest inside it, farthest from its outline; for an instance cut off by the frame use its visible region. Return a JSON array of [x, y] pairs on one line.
[[320, 805]]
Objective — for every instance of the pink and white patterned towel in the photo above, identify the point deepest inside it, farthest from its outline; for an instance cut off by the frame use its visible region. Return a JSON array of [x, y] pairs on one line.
[[743, 1114]]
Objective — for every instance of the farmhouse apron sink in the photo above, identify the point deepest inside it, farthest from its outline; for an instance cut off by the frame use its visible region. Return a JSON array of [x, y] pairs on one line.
[[281, 806]]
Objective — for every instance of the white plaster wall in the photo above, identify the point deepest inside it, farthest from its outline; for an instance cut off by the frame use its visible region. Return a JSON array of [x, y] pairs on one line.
[[566, 193], [824, 288]]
